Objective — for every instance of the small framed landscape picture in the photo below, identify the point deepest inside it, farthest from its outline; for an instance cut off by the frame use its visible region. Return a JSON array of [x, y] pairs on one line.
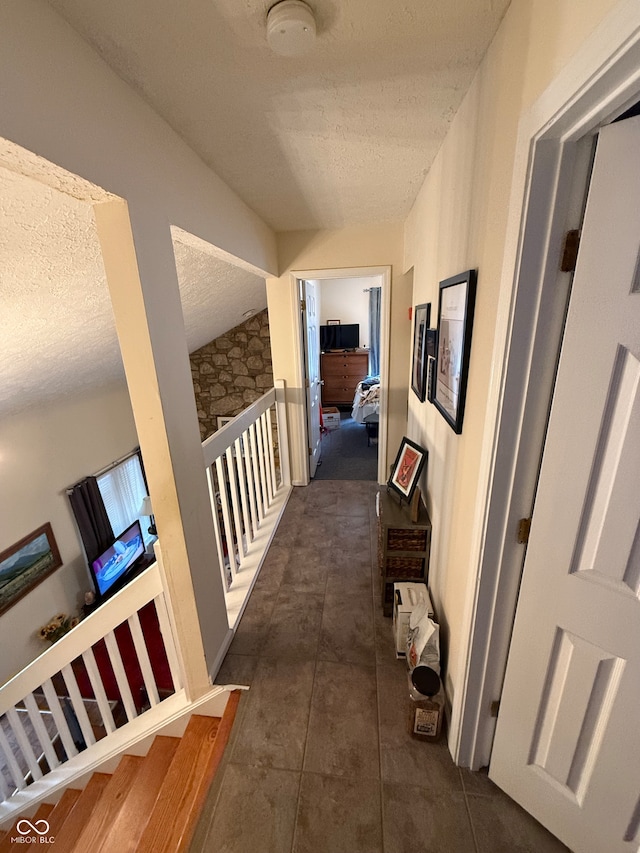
[[25, 564], [407, 468]]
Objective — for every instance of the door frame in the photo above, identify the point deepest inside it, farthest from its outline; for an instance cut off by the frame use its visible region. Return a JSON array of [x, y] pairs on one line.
[[550, 176], [384, 272]]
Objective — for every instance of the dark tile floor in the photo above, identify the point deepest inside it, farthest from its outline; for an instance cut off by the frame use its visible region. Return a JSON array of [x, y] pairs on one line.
[[320, 760]]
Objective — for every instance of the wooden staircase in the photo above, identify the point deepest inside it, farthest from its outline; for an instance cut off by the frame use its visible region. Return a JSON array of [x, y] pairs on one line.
[[149, 804]]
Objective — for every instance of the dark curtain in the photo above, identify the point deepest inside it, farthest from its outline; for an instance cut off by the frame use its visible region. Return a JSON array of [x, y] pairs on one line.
[[374, 331], [91, 517]]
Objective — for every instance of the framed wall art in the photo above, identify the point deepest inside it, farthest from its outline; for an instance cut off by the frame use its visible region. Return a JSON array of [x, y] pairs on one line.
[[25, 564], [455, 322], [406, 470], [419, 361]]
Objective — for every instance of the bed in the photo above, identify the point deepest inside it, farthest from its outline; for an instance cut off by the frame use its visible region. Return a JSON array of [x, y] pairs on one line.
[[366, 405]]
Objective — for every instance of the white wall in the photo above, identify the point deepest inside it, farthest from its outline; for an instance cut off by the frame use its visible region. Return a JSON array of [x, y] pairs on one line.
[[458, 222], [344, 299], [42, 451]]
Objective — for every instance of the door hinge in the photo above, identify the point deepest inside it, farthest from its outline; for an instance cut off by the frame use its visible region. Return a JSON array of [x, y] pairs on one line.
[[494, 708], [570, 251], [524, 526], [310, 451], [306, 383], [303, 305]]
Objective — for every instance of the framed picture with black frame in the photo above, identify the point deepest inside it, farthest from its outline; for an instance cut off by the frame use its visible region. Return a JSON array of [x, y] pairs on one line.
[[419, 361], [406, 470], [455, 324]]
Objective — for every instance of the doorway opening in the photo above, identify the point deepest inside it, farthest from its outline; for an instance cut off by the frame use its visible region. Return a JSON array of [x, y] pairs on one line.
[[344, 318]]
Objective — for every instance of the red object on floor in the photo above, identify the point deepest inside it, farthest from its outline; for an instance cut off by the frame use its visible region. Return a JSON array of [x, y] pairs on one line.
[[157, 657]]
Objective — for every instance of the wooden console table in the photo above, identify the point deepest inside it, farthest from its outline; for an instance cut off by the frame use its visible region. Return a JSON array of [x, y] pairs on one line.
[[404, 546]]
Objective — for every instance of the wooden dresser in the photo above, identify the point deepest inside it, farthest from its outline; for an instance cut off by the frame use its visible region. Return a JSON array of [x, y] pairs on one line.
[[341, 372]]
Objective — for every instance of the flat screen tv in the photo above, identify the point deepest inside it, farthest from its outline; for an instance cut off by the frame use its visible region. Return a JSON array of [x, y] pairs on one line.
[[340, 337], [119, 558]]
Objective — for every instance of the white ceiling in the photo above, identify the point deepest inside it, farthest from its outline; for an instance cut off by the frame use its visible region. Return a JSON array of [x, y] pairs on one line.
[[342, 136]]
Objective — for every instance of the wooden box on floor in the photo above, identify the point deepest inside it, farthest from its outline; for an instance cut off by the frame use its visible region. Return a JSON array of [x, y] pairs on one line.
[[403, 546]]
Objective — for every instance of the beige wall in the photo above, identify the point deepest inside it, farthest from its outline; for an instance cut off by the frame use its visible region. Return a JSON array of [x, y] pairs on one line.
[[372, 246], [344, 299], [459, 222], [42, 451]]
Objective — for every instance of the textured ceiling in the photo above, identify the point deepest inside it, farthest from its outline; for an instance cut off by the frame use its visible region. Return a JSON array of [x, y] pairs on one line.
[[341, 136], [58, 333]]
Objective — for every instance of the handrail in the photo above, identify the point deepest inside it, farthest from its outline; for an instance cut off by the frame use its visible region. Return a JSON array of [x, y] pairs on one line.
[[216, 444], [129, 600], [247, 464]]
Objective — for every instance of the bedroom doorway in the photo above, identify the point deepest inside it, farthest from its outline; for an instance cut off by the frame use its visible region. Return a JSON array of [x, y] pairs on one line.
[[344, 347]]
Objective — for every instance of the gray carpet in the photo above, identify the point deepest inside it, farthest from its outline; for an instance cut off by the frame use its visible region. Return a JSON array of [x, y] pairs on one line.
[[345, 454]]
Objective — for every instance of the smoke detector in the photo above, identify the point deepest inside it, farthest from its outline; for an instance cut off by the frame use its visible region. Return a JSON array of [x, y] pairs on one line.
[[291, 27]]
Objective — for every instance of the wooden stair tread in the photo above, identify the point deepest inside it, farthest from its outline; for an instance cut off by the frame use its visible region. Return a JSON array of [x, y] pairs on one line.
[[8, 846], [109, 804], [126, 830], [80, 813], [183, 790], [63, 809]]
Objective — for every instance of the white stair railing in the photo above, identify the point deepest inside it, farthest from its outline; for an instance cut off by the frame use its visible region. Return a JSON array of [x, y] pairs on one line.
[[247, 463], [66, 699]]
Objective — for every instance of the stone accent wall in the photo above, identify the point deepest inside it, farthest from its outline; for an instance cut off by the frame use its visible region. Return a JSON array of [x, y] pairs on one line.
[[232, 372]]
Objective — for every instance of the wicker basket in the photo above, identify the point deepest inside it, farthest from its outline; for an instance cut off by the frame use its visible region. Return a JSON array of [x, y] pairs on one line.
[[406, 540], [405, 567]]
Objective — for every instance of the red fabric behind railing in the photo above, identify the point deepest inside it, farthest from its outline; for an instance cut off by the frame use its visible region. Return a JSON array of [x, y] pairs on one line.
[[157, 656]]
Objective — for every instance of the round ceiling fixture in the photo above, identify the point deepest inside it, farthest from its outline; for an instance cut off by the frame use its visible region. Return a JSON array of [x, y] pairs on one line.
[[291, 27], [249, 313]]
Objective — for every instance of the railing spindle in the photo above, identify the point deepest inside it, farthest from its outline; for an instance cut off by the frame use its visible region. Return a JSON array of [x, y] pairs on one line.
[[95, 679], [143, 659], [272, 459], [237, 519], [226, 515], [78, 705], [255, 521], [14, 769], [242, 488], [41, 730], [22, 740], [113, 650], [256, 472], [216, 526], [60, 718]]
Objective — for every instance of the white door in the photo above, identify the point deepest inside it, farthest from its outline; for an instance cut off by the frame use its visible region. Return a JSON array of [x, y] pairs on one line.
[[567, 743], [311, 326]]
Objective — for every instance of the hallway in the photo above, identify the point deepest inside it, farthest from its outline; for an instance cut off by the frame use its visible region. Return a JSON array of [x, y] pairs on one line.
[[320, 760]]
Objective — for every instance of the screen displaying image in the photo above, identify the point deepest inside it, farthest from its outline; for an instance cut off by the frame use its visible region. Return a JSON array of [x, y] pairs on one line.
[[116, 560]]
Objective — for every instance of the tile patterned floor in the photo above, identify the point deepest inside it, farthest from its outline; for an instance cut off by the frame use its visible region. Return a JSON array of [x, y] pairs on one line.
[[320, 760]]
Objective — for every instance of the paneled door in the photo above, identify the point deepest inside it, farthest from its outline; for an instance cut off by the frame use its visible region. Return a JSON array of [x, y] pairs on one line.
[[567, 743]]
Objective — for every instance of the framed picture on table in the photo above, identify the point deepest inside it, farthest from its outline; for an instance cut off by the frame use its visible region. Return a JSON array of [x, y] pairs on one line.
[[407, 468], [455, 323]]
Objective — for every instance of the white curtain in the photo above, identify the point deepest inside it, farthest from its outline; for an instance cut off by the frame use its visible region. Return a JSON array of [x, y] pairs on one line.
[[122, 489]]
